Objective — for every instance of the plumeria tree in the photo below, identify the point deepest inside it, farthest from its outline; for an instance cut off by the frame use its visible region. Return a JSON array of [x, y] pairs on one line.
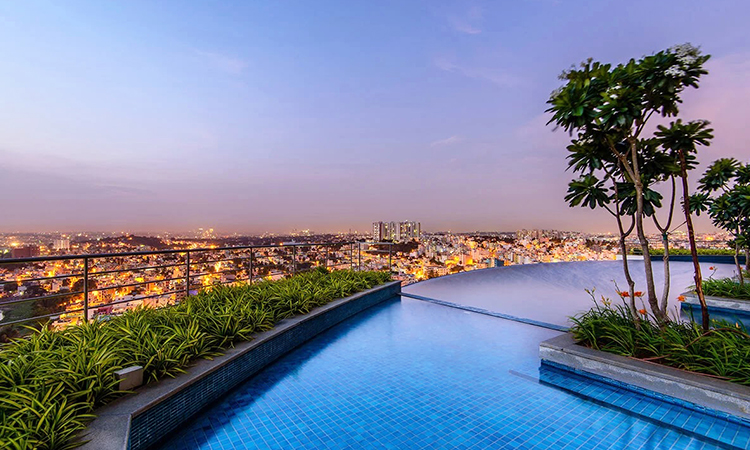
[[725, 194], [601, 185], [608, 109], [682, 141]]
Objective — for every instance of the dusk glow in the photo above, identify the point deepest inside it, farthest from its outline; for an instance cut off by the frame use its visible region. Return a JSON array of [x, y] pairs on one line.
[[272, 116]]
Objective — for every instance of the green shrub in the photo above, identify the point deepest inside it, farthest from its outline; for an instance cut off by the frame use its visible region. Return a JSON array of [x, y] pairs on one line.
[[723, 351], [685, 251], [51, 381], [726, 287]]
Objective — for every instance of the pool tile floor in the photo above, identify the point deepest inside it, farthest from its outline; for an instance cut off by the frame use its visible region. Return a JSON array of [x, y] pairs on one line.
[[414, 375]]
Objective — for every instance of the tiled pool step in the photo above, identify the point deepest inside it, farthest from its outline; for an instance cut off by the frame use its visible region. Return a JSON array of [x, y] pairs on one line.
[[710, 426]]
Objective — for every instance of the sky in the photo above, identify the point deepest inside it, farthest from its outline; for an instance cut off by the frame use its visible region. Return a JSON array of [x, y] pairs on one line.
[[272, 116]]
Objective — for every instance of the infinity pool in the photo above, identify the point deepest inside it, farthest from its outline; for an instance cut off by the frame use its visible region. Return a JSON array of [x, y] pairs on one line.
[[414, 375]]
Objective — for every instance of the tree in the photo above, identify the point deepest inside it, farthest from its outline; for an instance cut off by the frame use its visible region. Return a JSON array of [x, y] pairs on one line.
[[10, 286], [616, 195], [78, 285], [725, 194], [589, 191], [609, 108], [682, 140]]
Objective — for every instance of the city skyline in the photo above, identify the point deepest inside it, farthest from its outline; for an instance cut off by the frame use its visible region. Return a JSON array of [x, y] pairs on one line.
[[265, 118]]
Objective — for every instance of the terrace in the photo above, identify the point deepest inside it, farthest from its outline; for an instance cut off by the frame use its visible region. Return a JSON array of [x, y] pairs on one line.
[[442, 364], [65, 289]]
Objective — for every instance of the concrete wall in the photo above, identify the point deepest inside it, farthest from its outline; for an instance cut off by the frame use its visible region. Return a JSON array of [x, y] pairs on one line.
[[702, 391]]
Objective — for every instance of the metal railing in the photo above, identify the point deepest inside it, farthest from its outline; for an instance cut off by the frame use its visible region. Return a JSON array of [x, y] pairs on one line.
[[71, 288]]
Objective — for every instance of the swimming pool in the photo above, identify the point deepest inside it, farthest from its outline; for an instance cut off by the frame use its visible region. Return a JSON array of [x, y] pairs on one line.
[[412, 374], [553, 292]]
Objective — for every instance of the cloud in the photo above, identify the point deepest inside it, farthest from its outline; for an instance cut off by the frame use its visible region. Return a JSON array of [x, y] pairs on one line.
[[466, 23], [229, 64], [464, 27], [447, 141], [495, 76]]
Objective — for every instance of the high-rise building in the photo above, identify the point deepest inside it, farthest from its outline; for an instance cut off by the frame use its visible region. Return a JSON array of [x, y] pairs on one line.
[[61, 244], [393, 232], [409, 230], [396, 231], [378, 231]]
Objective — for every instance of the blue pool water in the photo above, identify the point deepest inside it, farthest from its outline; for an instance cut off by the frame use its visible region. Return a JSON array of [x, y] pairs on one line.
[[553, 292], [414, 375]]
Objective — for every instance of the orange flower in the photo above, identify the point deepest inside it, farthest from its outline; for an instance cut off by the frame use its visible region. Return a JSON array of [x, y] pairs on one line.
[[624, 294], [637, 294], [642, 311], [681, 298]]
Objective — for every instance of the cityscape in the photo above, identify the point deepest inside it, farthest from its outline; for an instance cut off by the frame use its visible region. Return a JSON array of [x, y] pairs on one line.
[[398, 225], [54, 288]]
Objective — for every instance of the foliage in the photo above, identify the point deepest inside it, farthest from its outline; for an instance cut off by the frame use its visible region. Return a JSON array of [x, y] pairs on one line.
[[726, 287], [686, 252], [51, 381], [606, 110], [723, 351], [725, 195]]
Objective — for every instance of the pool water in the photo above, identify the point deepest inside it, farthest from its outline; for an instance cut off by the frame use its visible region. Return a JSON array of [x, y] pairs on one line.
[[553, 292], [414, 375]]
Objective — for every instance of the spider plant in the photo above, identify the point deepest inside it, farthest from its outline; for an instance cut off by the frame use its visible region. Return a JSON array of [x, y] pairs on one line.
[[51, 381]]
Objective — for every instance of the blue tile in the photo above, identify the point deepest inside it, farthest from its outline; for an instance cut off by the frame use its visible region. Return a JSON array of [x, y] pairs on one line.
[[409, 375]]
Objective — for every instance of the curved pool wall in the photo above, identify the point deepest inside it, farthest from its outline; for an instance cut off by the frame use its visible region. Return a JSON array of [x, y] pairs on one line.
[[551, 293], [413, 374], [140, 420]]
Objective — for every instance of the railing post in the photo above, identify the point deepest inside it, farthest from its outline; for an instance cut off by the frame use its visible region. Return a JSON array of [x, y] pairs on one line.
[[326, 247], [187, 274], [351, 256], [250, 271], [390, 262], [85, 289], [294, 259], [359, 256]]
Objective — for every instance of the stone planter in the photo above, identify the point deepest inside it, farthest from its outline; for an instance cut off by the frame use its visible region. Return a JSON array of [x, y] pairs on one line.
[[693, 390]]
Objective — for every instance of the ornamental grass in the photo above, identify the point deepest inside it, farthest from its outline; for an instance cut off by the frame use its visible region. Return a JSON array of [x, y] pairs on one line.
[[52, 380], [726, 287], [722, 352]]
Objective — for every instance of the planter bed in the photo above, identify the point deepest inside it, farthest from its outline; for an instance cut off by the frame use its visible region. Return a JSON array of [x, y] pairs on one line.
[[723, 303], [138, 421], [722, 400]]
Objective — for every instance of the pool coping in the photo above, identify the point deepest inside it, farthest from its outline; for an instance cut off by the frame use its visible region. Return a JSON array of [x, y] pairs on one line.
[[111, 430], [721, 303], [700, 390]]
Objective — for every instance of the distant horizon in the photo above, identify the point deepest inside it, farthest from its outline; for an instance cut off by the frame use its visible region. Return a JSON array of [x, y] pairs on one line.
[[256, 116], [220, 233]]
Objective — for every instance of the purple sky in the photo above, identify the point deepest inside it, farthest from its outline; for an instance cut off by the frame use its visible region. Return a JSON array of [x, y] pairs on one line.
[[269, 116]]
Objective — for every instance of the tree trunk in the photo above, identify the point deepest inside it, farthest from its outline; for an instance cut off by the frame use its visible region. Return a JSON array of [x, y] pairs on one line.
[[667, 277], [626, 269], [624, 251], [737, 262], [650, 289], [698, 277], [747, 259]]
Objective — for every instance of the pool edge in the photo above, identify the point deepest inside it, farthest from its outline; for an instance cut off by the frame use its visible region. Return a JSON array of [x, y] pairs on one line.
[[705, 392], [153, 406]]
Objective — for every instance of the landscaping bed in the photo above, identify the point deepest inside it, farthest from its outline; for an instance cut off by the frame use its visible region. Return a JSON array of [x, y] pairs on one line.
[[726, 288], [722, 352], [51, 381]]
